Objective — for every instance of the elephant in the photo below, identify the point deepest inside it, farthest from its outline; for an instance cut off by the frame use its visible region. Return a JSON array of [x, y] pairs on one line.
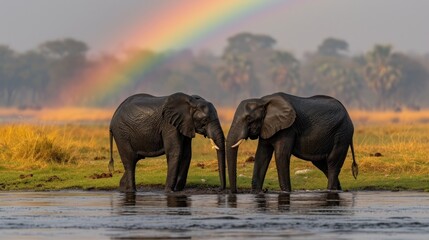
[[316, 129], [148, 126]]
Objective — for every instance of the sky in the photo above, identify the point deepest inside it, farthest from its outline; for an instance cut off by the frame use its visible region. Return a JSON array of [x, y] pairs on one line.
[[298, 26]]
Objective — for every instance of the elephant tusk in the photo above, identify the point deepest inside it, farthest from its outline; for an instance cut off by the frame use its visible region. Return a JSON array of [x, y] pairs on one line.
[[214, 144], [237, 144]]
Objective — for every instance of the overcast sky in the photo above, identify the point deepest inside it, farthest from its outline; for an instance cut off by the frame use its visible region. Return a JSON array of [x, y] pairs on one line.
[[298, 28]]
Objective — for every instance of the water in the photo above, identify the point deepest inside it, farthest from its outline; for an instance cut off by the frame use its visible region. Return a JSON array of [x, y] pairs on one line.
[[148, 215]]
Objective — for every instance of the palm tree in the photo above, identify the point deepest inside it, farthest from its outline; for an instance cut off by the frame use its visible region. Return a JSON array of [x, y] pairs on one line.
[[236, 73], [380, 74], [285, 72], [340, 79], [242, 58]]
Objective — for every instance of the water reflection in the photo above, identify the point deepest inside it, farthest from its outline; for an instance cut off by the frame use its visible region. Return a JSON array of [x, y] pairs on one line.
[[304, 202], [283, 202], [333, 199], [148, 215], [261, 202], [129, 199], [182, 204], [178, 201], [178, 205], [227, 200], [136, 203]]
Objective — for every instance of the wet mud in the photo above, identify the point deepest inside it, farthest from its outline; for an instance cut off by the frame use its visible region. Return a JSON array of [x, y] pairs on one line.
[[149, 215]]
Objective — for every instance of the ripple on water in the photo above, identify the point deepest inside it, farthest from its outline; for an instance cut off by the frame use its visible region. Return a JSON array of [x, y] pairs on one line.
[[273, 215]]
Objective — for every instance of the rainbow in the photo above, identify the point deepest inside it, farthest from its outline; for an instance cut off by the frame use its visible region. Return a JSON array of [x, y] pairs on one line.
[[180, 25]]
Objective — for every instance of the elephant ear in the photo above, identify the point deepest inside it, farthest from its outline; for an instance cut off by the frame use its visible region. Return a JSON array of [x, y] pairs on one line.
[[177, 111], [279, 115]]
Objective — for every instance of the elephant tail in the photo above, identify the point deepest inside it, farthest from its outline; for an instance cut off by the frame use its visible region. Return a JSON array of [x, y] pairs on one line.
[[355, 168], [111, 162]]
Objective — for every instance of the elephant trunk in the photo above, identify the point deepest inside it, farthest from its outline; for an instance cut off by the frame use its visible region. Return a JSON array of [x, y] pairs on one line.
[[215, 133], [231, 154], [235, 136]]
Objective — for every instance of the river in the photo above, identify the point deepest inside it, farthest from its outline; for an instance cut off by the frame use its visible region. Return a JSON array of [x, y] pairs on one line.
[[149, 215]]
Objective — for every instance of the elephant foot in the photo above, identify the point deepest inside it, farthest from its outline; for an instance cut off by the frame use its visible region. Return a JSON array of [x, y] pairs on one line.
[[232, 191], [335, 188], [126, 184], [221, 190], [127, 190], [257, 191], [286, 188], [334, 191], [125, 187], [168, 189], [179, 187]]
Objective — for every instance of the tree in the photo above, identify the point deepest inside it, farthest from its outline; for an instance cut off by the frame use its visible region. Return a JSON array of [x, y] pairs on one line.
[[380, 74], [244, 43], [332, 47], [340, 79], [285, 72], [66, 57], [412, 89], [235, 74], [33, 74], [245, 55], [329, 71], [8, 85], [59, 49]]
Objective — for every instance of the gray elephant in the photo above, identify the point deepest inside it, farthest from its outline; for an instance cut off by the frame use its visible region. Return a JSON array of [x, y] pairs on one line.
[[317, 129], [148, 126]]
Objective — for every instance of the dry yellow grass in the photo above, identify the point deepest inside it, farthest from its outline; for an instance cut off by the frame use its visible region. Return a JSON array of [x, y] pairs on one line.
[[393, 148], [24, 146], [404, 146], [388, 155]]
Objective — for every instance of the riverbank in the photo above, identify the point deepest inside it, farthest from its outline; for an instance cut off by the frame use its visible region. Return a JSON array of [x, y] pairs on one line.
[[391, 156]]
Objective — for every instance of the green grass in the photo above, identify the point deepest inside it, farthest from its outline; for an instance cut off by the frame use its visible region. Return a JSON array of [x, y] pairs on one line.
[[69, 156]]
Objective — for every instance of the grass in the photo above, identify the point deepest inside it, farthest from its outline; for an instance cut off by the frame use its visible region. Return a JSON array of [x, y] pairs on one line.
[[391, 156]]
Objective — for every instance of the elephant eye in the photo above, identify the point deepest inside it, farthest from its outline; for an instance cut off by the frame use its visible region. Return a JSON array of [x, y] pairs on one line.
[[199, 115], [249, 119], [204, 120]]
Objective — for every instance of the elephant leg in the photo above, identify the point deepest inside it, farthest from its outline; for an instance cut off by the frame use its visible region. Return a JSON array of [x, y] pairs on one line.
[[283, 145], [172, 169], [322, 165], [263, 157], [129, 159], [173, 144], [184, 164], [335, 163], [283, 154]]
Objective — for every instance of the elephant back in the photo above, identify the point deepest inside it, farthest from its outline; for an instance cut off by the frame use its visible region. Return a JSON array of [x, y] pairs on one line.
[[137, 110]]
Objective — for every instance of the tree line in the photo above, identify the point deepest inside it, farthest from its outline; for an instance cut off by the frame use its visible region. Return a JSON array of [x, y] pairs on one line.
[[250, 66]]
